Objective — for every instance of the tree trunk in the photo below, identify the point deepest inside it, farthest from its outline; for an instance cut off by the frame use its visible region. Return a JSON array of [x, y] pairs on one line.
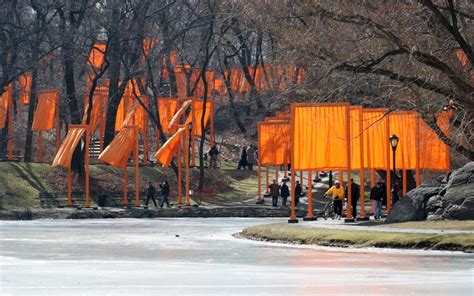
[[31, 113], [114, 76]]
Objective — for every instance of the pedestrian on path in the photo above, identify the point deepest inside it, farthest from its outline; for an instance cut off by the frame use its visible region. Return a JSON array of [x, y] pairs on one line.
[[336, 192], [355, 193], [213, 154], [298, 192], [251, 160], [165, 192], [274, 192], [377, 194], [243, 158], [150, 193], [284, 192]]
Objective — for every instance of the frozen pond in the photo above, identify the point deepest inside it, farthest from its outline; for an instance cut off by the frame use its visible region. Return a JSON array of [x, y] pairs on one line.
[[200, 257]]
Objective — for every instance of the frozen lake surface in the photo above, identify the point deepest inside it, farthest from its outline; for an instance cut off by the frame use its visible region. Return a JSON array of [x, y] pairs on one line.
[[200, 257]]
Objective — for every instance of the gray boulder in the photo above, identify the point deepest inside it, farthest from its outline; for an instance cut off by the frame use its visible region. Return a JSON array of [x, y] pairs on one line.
[[434, 203], [446, 197], [458, 201], [412, 208]]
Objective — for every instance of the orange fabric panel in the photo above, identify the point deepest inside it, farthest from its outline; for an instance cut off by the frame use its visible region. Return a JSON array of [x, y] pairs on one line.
[[280, 78], [268, 77], [5, 101], [136, 115], [97, 55], [195, 83], [235, 78], [45, 110], [25, 88], [301, 76], [140, 116], [375, 138], [198, 106], [210, 77], [149, 44], [462, 57], [122, 111], [181, 82], [177, 116], [277, 119], [434, 154], [165, 73], [173, 58], [283, 114], [167, 107], [64, 155], [121, 147], [403, 124], [219, 86], [165, 154], [99, 109], [274, 143], [258, 80], [244, 86], [132, 87], [319, 136], [356, 136]]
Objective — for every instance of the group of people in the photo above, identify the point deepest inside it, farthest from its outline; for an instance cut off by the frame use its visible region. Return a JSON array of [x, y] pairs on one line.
[[277, 190], [165, 193], [378, 194], [247, 157]]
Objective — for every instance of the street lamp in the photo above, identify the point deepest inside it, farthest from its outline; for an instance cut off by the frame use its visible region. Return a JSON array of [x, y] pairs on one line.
[[394, 143]]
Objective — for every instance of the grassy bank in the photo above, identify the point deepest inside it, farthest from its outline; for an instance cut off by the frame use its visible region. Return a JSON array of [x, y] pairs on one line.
[[343, 238], [21, 183]]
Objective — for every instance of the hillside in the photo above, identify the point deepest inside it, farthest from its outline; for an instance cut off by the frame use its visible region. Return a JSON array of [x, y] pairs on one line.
[[21, 183]]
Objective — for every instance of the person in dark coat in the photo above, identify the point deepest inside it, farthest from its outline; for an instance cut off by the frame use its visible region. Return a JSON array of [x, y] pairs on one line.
[[298, 191], [284, 192], [243, 158], [378, 194], [274, 192], [213, 153], [165, 192], [396, 193], [251, 160], [355, 190], [150, 194]]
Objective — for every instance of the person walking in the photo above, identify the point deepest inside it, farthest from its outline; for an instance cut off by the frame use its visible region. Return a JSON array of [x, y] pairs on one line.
[[150, 194], [396, 192], [284, 192], [274, 192], [355, 193], [243, 158], [336, 192], [298, 191], [251, 160], [165, 192], [377, 194], [213, 153]]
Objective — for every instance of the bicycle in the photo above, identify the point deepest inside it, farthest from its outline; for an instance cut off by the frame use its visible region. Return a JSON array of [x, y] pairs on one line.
[[329, 209]]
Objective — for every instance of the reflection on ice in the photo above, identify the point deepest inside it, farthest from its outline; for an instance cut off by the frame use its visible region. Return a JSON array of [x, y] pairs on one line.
[[200, 256]]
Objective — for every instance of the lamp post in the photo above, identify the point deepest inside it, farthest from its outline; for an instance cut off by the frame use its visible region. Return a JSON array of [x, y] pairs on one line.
[[393, 142]]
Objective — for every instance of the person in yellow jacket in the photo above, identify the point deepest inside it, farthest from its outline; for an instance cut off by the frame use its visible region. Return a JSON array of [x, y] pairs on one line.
[[336, 192]]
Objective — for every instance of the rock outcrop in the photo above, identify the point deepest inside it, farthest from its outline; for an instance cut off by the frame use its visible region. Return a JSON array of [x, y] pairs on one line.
[[449, 197]]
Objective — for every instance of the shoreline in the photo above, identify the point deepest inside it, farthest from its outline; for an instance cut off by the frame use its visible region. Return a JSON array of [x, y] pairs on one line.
[[291, 235], [117, 213]]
